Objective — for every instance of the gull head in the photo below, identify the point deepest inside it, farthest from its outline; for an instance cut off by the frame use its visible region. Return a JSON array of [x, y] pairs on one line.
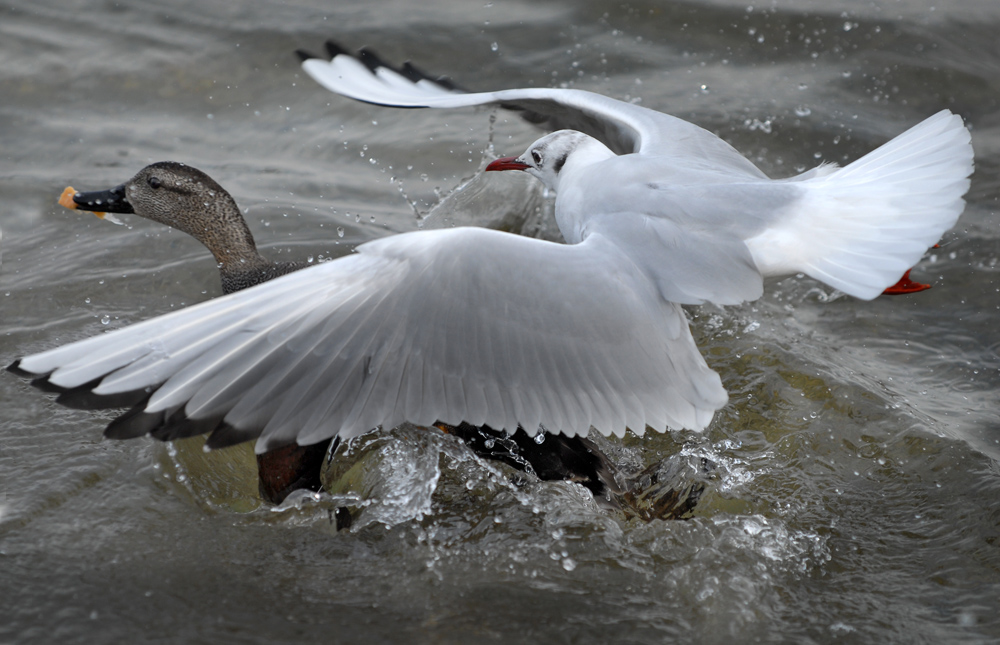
[[549, 157]]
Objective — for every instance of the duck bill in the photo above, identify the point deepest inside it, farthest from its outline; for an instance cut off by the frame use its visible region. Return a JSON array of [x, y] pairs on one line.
[[507, 163], [103, 201]]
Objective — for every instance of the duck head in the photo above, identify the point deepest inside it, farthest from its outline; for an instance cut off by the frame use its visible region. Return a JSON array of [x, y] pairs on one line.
[[167, 192]]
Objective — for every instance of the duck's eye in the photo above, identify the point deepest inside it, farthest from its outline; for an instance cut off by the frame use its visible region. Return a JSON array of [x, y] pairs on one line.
[[537, 157], [154, 182]]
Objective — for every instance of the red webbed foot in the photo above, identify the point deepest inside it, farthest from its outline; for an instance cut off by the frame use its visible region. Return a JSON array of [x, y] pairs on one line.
[[905, 285]]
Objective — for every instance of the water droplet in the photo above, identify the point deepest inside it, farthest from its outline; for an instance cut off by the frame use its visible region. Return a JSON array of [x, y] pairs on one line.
[[802, 111], [494, 46], [105, 319], [87, 300], [569, 564], [540, 437], [340, 231]]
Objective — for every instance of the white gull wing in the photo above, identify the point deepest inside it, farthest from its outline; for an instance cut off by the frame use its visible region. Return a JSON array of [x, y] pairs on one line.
[[858, 228], [449, 325], [623, 127]]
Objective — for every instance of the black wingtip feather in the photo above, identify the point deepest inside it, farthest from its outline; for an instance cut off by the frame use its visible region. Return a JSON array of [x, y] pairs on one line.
[[15, 368], [371, 60], [83, 398], [134, 423], [179, 426], [170, 425], [448, 84], [367, 57], [414, 74], [411, 73], [45, 385], [304, 55], [226, 435], [333, 49]]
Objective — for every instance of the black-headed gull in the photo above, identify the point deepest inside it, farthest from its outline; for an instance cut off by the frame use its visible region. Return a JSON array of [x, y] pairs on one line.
[[697, 216]]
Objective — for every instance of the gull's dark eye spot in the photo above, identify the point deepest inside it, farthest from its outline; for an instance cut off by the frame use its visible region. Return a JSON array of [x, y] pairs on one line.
[[560, 162], [154, 182], [537, 157]]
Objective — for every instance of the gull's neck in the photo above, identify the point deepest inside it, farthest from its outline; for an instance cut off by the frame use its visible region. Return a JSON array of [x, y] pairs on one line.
[[572, 183]]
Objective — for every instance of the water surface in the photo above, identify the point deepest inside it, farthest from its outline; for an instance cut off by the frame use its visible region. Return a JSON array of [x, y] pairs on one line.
[[856, 497]]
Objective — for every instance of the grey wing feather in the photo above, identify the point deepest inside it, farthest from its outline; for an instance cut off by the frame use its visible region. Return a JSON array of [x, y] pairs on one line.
[[451, 325], [623, 127], [688, 266]]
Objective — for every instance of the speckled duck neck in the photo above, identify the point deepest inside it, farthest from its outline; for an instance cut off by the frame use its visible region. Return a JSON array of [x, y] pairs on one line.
[[224, 232]]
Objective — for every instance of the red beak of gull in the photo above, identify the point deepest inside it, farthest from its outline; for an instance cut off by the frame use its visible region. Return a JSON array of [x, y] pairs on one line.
[[507, 163]]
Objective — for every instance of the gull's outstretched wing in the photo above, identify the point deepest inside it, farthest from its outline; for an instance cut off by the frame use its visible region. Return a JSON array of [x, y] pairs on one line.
[[623, 127], [450, 325]]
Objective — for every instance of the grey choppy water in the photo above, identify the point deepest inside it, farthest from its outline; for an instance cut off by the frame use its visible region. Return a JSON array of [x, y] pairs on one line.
[[857, 496]]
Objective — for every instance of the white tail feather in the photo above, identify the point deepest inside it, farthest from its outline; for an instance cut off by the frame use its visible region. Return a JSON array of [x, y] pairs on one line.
[[859, 228]]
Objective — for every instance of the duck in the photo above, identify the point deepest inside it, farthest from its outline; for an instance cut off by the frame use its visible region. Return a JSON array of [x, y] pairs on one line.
[[187, 199]]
